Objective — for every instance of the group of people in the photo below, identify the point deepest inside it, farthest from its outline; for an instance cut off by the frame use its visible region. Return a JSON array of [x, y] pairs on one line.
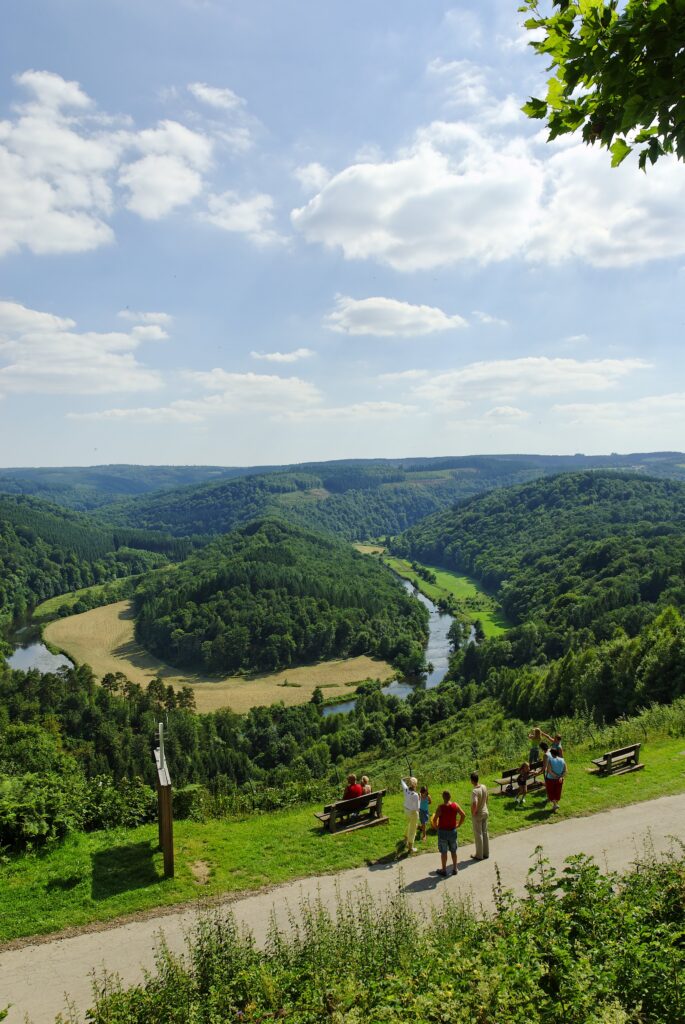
[[546, 756], [447, 818], [549, 761]]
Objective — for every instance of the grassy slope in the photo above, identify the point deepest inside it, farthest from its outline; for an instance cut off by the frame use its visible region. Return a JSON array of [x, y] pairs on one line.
[[103, 875], [475, 602]]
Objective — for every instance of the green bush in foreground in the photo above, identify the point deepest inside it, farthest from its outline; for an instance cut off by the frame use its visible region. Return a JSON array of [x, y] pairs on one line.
[[581, 947]]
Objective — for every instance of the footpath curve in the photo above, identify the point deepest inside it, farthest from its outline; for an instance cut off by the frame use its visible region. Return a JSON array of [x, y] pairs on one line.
[[37, 979]]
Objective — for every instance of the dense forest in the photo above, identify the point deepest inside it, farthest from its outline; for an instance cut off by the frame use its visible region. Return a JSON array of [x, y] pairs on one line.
[[46, 550], [356, 499], [270, 595], [571, 559]]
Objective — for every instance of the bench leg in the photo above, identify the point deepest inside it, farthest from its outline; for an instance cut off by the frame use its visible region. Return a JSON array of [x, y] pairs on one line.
[[379, 808], [332, 822]]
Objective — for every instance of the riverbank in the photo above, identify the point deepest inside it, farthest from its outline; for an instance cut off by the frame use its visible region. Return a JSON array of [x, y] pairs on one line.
[[472, 602]]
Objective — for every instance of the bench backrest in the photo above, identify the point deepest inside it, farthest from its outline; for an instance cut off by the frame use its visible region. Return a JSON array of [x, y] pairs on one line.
[[357, 803], [632, 749], [510, 773]]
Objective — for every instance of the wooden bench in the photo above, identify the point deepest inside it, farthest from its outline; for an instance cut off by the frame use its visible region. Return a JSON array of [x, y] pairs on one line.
[[616, 762], [359, 812], [508, 784]]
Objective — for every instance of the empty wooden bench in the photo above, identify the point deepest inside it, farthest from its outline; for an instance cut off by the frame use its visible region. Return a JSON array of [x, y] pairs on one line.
[[508, 783], [359, 812], [616, 762]]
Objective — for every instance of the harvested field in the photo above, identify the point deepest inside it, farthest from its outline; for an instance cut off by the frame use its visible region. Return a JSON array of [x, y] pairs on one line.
[[369, 549], [104, 639]]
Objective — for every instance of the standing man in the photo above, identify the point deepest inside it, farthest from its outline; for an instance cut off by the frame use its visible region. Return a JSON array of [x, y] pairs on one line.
[[411, 810], [555, 773], [447, 814], [479, 817]]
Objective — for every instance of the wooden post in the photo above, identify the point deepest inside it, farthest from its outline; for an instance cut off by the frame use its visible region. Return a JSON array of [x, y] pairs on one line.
[[164, 807]]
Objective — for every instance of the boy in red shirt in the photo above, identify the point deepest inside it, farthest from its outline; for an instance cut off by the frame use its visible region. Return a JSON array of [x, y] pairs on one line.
[[450, 817]]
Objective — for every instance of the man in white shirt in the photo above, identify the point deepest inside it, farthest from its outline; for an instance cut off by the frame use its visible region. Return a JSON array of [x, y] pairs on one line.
[[411, 811], [479, 818]]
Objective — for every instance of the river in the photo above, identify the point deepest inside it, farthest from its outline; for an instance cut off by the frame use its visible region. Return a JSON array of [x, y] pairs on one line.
[[30, 651], [437, 654]]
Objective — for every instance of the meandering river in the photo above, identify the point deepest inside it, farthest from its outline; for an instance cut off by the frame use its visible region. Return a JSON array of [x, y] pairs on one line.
[[437, 654], [31, 653]]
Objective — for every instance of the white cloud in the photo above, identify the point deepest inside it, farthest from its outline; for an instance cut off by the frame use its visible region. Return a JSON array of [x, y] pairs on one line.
[[532, 375], [232, 394], [488, 319], [252, 217], [65, 168], [355, 412], [506, 414], [463, 82], [159, 184], [138, 317], [284, 357], [312, 177], [221, 99], [41, 353], [432, 206], [52, 90], [400, 375], [386, 318], [255, 390], [649, 411], [465, 192]]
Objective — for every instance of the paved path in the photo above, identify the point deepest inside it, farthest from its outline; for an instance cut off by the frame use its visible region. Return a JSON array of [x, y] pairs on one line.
[[35, 978]]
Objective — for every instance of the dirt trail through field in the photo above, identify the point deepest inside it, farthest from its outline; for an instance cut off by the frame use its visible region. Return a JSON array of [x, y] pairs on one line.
[[104, 638], [36, 978]]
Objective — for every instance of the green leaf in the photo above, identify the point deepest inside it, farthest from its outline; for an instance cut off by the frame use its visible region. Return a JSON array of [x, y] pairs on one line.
[[555, 93], [619, 151], [534, 108]]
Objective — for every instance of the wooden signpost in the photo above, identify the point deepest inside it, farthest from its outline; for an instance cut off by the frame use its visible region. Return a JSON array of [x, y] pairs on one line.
[[164, 808]]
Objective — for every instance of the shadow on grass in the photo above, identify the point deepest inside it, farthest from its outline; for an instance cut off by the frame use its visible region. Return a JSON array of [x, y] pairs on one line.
[[123, 868], [63, 884]]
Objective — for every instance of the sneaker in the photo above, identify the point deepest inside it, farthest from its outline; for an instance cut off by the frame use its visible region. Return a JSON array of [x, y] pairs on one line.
[[454, 871], [441, 872], [414, 849]]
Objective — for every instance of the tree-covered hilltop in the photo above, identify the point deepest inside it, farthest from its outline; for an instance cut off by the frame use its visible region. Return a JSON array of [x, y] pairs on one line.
[[84, 488], [571, 559], [46, 550], [271, 595], [357, 498]]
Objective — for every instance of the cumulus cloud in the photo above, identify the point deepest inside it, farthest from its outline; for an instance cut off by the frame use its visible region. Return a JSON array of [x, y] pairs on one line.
[[66, 167], [312, 177], [532, 375], [220, 99], [506, 414], [251, 217], [472, 192], [464, 83], [230, 394], [284, 357], [42, 353], [488, 319], [649, 411], [388, 318], [139, 317], [355, 412]]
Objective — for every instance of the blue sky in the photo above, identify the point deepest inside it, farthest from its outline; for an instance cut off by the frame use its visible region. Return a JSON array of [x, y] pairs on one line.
[[272, 232]]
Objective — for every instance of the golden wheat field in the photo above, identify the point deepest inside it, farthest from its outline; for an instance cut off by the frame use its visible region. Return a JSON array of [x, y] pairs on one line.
[[104, 639]]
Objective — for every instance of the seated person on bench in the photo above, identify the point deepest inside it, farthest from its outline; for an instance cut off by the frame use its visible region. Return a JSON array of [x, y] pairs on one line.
[[352, 789]]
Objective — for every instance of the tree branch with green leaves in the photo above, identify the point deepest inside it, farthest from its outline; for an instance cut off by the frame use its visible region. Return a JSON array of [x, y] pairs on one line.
[[619, 74]]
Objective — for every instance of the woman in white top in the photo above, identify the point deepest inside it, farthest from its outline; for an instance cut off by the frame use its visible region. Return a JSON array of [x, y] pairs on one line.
[[411, 811]]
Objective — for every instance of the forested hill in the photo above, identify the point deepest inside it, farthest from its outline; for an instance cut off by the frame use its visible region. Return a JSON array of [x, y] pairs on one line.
[[84, 488], [271, 595], [576, 554], [356, 499], [46, 550]]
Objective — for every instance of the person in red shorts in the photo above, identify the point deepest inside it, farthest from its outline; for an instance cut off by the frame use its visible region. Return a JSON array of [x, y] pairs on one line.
[[352, 789], [555, 773], [450, 817]]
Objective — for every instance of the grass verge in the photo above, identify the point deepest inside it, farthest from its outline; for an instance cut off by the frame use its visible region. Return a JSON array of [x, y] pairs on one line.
[[103, 875]]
